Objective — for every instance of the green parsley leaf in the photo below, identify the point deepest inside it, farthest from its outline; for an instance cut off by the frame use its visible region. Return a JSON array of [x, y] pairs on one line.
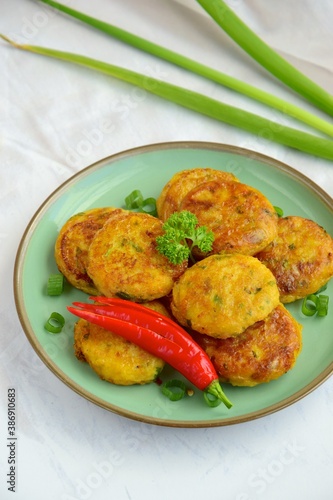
[[182, 235]]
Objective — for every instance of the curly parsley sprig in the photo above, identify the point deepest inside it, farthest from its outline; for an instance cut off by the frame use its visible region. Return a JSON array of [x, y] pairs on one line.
[[182, 234]]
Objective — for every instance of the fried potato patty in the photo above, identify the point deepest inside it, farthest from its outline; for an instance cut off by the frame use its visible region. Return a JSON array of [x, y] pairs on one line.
[[241, 217], [123, 260], [73, 241], [181, 183], [222, 295], [300, 257], [264, 352], [113, 358]]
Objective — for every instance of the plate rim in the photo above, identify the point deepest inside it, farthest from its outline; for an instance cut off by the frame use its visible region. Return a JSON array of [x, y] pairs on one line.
[[66, 379]]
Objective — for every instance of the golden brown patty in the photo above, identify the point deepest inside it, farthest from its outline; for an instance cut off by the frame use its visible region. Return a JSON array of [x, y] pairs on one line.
[[241, 217], [300, 257], [123, 260], [223, 295], [73, 241], [181, 183], [113, 358], [264, 352]]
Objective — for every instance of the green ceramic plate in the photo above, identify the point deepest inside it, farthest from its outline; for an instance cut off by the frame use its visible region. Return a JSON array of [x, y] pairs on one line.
[[106, 183]]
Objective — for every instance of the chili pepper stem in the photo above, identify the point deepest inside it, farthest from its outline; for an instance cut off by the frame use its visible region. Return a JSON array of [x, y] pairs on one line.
[[215, 389]]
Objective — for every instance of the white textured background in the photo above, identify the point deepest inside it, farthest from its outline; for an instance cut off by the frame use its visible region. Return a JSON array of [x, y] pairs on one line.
[[56, 119]]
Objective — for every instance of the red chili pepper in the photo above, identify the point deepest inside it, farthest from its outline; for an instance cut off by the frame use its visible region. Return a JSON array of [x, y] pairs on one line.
[[156, 334]]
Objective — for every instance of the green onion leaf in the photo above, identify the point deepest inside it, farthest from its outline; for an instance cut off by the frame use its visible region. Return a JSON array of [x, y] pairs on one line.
[[174, 389], [200, 103], [55, 323], [55, 284], [189, 64], [211, 399], [266, 56]]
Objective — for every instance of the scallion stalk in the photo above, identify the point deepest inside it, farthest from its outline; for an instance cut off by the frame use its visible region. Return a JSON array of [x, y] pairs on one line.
[[200, 103], [266, 56], [189, 64]]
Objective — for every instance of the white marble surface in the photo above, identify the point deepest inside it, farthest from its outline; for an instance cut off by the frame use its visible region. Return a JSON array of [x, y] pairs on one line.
[[67, 447]]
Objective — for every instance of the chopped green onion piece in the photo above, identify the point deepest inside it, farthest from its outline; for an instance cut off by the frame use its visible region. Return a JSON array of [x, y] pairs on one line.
[[149, 206], [309, 305], [211, 400], [55, 323], [200, 103], [174, 389], [279, 211], [134, 200], [322, 305], [314, 303], [201, 69], [55, 284]]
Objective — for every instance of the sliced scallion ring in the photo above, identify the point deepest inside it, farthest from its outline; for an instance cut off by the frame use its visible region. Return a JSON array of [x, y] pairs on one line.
[[174, 389], [309, 305], [322, 305], [55, 323], [211, 400], [55, 284]]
